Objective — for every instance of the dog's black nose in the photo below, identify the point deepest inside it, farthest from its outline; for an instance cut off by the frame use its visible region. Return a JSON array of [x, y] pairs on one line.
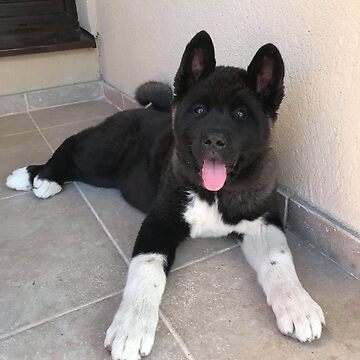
[[214, 140]]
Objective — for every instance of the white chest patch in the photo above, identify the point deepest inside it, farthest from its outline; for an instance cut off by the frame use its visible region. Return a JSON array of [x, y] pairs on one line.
[[206, 221]]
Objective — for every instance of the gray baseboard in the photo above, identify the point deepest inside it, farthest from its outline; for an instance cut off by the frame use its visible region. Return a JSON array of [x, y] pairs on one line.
[[327, 235], [62, 95], [12, 104], [40, 99]]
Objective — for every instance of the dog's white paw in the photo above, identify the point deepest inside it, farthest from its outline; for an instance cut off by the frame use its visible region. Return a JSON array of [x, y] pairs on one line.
[[132, 333], [44, 188], [19, 180], [297, 314]]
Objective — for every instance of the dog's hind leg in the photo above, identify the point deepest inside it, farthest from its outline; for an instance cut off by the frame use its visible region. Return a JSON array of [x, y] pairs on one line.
[[46, 180], [59, 169]]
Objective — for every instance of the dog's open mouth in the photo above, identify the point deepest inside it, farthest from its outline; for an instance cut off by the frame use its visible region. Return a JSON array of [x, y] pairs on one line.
[[213, 174]]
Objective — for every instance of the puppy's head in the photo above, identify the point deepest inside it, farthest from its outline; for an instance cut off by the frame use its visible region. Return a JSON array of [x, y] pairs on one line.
[[222, 116]]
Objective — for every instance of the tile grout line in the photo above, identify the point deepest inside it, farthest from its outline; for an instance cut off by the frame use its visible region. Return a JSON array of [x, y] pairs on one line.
[[37, 126], [19, 133], [204, 258], [76, 122], [58, 316], [122, 108], [176, 336], [110, 102], [41, 133], [56, 126], [106, 230], [13, 196]]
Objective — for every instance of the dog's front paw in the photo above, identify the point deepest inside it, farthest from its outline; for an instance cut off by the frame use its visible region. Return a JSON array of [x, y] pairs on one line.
[[131, 334], [297, 314]]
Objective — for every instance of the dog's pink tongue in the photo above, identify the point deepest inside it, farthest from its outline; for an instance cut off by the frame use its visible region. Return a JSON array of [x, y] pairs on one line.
[[213, 174]]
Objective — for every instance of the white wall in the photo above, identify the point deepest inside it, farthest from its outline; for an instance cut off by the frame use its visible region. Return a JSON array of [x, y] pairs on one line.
[[318, 131], [87, 15]]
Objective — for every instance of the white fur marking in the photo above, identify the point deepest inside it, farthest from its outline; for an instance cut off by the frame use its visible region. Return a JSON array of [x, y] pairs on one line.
[[132, 332], [44, 188], [297, 314], [206, 221], [19, 180]]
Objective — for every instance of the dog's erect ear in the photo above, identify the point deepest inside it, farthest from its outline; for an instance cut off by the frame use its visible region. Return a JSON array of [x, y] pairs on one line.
[[198, 61], [265, 76]]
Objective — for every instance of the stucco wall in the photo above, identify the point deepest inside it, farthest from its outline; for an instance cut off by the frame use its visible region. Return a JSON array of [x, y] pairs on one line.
[[318, 131], [39, 71]]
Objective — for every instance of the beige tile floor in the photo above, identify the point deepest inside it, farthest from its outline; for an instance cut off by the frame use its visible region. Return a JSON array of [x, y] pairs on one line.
[[63, 265]]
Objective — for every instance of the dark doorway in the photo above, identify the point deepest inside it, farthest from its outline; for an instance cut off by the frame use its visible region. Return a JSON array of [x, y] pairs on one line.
[[30, 26]]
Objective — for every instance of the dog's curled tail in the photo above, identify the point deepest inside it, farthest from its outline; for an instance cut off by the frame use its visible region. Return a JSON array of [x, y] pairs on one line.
[[155, 94]]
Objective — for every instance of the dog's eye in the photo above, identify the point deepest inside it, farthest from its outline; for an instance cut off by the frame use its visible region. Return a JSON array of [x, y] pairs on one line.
[[199, 109], [239, 113]]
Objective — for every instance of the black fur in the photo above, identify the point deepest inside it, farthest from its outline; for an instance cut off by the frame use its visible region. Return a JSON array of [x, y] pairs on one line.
[[158, 94], [155, 157]]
